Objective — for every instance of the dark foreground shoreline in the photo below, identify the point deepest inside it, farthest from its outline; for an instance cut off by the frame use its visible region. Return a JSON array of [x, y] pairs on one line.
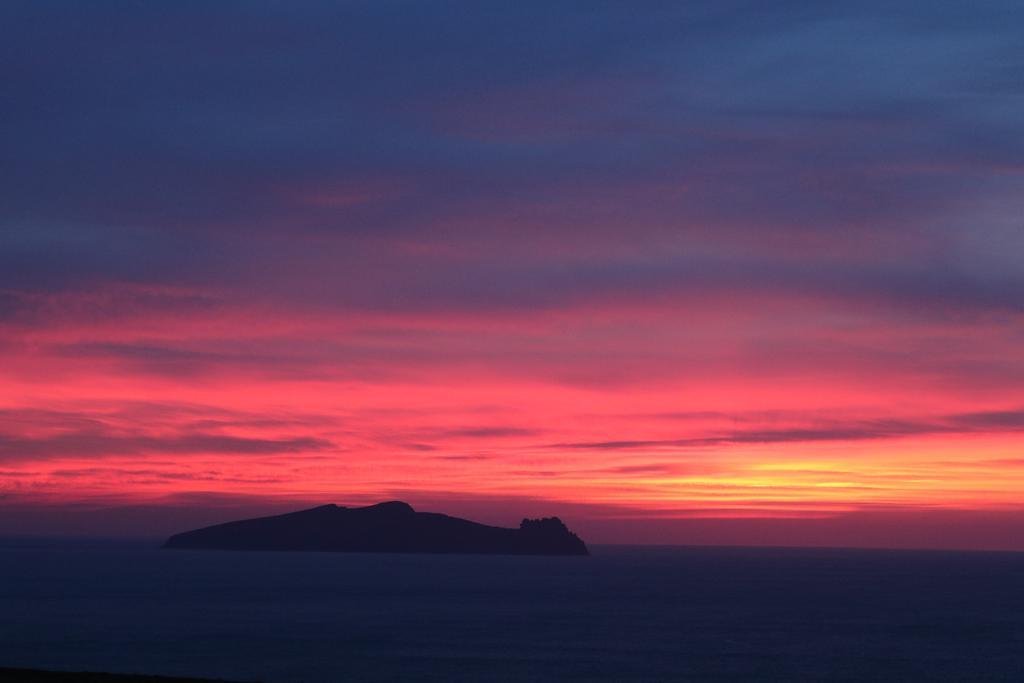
[[45, 676]]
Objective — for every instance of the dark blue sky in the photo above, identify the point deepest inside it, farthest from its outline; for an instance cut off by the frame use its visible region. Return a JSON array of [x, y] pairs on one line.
[[169, 141]]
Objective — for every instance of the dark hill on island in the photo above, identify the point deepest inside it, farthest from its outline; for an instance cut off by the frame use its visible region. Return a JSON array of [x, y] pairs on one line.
[[383, 528]]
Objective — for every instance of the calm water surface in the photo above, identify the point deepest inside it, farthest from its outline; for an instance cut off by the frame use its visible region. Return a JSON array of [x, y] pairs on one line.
[[626, 613]]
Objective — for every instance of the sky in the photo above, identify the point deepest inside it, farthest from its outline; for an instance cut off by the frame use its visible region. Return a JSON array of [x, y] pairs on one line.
[[703, 272]]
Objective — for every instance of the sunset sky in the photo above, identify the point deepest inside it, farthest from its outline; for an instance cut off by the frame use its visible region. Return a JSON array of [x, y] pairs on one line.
[[682, 272]]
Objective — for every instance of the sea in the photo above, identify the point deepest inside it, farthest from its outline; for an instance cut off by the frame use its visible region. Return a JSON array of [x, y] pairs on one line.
[[626, 613]]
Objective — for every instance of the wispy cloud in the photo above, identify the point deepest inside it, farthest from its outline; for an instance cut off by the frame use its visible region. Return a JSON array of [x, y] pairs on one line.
[[94, 445], [859, 430]]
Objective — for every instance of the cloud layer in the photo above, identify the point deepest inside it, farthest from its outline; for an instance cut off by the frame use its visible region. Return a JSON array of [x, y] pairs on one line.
[[708, 256]]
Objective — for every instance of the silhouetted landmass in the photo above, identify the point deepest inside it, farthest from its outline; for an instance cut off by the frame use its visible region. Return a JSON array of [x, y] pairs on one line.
[[384, 528], [40, 676]]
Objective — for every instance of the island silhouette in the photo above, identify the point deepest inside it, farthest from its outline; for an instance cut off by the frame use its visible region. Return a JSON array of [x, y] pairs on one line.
[[391, 527]]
